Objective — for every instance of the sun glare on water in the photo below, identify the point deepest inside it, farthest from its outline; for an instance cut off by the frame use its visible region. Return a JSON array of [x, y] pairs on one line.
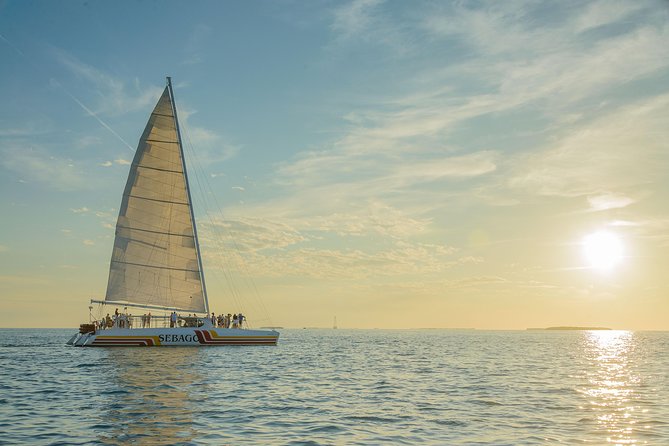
[[603, 250]]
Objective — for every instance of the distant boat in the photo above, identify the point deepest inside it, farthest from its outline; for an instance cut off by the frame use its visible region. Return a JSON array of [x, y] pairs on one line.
[[156, 262], [334, 325]]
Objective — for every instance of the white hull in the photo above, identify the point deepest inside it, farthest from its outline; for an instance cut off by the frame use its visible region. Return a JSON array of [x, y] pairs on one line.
[[182, 336]]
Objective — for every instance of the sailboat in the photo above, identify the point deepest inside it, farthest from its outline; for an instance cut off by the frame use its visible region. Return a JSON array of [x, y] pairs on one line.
[[156, 264]]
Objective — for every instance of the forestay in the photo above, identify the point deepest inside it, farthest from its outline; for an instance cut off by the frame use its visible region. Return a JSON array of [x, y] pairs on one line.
[[155, 260]]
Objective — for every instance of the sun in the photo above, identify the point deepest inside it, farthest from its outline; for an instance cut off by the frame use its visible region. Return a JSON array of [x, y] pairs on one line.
[[603, 250]]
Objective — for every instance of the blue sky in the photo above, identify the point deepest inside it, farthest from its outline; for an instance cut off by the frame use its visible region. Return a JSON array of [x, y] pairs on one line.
[[398, 164]]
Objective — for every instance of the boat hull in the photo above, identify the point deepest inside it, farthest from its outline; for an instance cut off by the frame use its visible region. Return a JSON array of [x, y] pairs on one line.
[[169, 337]]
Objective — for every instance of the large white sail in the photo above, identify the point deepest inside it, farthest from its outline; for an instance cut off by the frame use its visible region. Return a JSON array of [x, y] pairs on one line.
[[155, 261]]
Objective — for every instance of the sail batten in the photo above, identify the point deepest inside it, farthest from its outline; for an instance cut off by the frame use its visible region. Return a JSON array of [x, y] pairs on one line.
[[155, 261]]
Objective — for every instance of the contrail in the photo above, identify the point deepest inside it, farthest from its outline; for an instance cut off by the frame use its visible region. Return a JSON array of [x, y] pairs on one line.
[[55, 82], [12, 45], [90, 112]]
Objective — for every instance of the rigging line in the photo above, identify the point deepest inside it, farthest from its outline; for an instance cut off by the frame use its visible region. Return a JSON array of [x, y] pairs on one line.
[[248, 279], [233, 288], [234, 294]]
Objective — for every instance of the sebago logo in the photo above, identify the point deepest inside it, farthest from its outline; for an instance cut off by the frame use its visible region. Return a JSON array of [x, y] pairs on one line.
[[178, 338]]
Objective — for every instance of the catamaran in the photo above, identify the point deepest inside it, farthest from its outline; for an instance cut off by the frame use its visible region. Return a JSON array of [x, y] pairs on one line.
[[156, 263]]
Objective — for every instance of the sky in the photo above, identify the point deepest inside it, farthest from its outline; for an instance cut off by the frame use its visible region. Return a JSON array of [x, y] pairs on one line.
[[394, 164]]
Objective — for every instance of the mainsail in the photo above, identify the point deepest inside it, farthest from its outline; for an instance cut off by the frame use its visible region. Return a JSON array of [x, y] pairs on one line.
[[156, 260]]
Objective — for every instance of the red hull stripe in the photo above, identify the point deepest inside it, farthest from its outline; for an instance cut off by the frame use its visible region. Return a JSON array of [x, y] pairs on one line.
[[205, 337], [121, 340]]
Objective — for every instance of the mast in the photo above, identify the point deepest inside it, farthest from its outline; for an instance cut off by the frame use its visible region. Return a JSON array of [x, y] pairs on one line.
[[192, 215]]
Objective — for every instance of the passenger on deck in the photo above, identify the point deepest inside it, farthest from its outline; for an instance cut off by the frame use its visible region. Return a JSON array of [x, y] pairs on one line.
[[108, 321], [173, 319], [213, 319], [234, 321], [148, 320], [240, 320]]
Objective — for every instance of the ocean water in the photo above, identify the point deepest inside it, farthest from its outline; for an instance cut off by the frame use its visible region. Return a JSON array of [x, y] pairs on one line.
[[341, 387]]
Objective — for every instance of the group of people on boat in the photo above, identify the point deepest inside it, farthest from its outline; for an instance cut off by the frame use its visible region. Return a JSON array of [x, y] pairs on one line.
[[125, 320], [228, 320], [119, 320]]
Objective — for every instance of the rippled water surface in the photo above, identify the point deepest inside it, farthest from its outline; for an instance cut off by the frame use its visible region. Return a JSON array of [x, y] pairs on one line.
[[341, 387]]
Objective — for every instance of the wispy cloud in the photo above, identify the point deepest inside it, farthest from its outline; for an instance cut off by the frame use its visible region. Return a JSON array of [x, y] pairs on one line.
[[116, 96], [355, 17], [211, 146], [193, 48], [609, 201], [36, 164], [88, 141], [525, 103], [268, 249], [617, 151]]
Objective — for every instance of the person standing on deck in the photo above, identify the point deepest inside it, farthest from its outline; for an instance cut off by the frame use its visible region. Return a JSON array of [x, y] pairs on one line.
[[173, 319]]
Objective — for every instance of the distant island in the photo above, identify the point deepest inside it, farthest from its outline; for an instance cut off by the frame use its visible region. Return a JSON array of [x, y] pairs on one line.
[[571, 328]]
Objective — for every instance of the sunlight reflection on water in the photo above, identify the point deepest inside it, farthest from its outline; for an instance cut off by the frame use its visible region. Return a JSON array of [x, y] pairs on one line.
[[611, 382]]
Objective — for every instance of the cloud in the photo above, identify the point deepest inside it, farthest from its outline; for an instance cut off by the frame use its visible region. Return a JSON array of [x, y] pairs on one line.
[[249, 234], [355, 17], [605, 12], [211, 148], [106, 164], [398, 145], [333, 263], [239, 188], [617, 151], [521, 102], [82, 210], [114, 93], [609, 201], [87, 141], [122, 162], [19, 132], [192, 49], [36, 164], [88, 242]]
